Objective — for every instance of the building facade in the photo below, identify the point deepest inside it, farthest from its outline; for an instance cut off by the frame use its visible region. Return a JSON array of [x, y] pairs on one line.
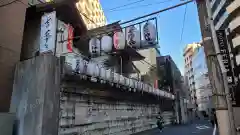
[[170, 79], [146, 68], [230, 20], [233, 10], [92, 13], [226, 16], [188, 70], [202, 82], [219, 13], [169, 75]]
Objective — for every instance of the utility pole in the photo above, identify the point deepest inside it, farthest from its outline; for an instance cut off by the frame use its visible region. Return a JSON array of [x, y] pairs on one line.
[[216, 70]]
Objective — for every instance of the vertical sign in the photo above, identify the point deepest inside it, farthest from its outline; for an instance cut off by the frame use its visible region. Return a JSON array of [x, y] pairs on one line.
[[223, 46], [48, 32], [70, 38]]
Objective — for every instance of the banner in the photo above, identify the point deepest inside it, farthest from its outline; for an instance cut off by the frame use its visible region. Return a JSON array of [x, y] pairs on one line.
[[223, 46], [70, 38], [48, 32]]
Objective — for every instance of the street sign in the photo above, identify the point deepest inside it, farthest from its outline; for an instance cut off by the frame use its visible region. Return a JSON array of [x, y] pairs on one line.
[[223, 46]]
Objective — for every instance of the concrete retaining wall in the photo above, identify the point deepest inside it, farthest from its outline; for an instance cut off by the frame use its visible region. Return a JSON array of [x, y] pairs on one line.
[[95, 115]]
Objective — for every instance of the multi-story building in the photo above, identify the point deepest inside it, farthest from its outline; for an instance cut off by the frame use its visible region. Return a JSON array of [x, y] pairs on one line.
[[170, 78], [226, 14], [146, 68], [233, 10], [219, 13], [92, 13], [169, 75], [188, 69], [202, 82]]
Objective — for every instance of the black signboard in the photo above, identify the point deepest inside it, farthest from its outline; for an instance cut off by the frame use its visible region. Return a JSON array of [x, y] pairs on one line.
[[223, 46]]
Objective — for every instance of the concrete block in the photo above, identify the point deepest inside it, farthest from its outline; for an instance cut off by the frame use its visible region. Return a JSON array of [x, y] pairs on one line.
[[6, 123]]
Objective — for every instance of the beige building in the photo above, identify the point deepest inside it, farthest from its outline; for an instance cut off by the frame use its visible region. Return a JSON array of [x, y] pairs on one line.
[[147, 67], [234, 26], [219, 13], [92, 13], [188, 69]]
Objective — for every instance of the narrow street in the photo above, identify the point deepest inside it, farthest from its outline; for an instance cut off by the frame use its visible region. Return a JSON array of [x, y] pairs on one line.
[[197, 128]]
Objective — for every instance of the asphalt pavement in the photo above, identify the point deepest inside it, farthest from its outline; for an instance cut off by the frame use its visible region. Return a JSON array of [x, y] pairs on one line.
[[196, 128]]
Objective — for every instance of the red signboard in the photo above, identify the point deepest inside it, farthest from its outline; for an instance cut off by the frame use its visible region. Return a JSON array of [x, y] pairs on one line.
[[156, 84], [70, 37]]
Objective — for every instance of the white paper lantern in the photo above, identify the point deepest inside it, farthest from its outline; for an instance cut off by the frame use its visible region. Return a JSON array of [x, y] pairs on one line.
[[102, 73], [106, 44], [119, 40], [79, 65], [139, 87], [116, 78], [149, 33], [135, 84], [93, 69], [133, 37], [122, 80], [108, 74], [94, 46], [127, 81], [131, 83]]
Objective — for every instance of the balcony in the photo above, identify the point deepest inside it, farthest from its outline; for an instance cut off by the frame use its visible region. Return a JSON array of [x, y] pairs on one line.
[[236, 41], [233, 7], [219, 9], [234, 25], [222, 22]]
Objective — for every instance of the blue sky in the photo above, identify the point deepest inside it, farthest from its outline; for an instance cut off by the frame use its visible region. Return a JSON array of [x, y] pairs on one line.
[[170, 23]]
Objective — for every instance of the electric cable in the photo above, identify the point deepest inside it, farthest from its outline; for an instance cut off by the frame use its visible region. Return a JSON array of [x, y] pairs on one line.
[[140, 6], [184, 19], [125, 5], [27, 5], [88, 18], [157, 12], [147, 16], [3, 5]]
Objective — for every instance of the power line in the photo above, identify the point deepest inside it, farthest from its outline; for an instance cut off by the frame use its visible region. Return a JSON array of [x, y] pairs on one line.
[[88, 18], [184, 18], [3, 5], [128, 4], [157, 12], [27, 5], [153, 13], [140, 6]]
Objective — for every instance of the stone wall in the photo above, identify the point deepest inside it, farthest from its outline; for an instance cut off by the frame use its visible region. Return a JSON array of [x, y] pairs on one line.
[[86, 114]]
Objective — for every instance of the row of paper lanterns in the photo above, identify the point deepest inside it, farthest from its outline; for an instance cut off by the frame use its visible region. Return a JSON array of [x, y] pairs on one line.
[[132, 37], [97, 70]]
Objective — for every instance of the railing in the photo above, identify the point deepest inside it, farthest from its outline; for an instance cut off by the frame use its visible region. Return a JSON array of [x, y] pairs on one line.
[[79, 65]]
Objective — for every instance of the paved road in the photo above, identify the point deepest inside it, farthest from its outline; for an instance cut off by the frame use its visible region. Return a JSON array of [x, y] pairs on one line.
[[198, 128]]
